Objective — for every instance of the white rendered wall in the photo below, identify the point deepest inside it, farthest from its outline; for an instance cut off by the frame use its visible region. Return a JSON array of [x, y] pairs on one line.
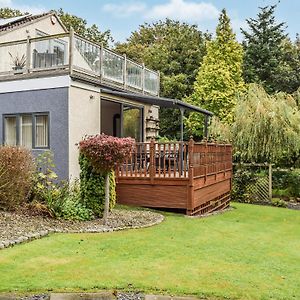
[[84, 119]]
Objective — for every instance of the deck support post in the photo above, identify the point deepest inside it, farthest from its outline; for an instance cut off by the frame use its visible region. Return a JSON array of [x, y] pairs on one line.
[[190, 199], [181, 139], [152, 157], [206, 121]]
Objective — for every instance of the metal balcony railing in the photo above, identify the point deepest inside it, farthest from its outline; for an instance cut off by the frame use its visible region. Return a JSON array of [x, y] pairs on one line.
[[76, 54]]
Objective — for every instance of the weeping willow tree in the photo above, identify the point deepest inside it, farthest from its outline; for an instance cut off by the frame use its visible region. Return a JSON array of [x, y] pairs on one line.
[[266, 127]]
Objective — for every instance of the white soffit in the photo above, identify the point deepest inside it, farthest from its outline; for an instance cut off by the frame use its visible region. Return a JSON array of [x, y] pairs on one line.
[[34, 84]]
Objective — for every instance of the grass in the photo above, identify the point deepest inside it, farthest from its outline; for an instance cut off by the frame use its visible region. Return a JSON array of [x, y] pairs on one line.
[[252, 252]]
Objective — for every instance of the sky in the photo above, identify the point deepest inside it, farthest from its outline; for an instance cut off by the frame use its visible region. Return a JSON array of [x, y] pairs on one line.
[[122, 17]]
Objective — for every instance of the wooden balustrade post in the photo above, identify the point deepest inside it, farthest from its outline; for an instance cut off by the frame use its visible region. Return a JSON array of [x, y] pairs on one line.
[[190, 200], [152, 157]]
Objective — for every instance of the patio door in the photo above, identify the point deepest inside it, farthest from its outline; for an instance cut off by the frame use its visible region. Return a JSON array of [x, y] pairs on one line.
[[132, 121], [121, 120]]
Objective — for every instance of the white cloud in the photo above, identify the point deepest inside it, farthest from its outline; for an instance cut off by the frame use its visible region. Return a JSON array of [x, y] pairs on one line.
[[190, 11], [181, 10], [23, 8], [126, 9]]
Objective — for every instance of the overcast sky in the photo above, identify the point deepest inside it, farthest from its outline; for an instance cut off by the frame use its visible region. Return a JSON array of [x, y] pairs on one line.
[[122, 17]]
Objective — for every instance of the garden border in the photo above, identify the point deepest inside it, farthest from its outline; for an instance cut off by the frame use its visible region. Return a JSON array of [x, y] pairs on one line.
[[43, 233]]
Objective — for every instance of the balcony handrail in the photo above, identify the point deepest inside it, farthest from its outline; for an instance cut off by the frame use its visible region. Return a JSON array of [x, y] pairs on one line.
[[123, 68]]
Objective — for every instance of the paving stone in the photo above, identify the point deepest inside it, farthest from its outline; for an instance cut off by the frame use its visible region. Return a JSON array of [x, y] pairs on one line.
[[82, 296]]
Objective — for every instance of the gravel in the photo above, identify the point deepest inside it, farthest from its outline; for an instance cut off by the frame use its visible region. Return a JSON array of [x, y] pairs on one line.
[[16, 228]]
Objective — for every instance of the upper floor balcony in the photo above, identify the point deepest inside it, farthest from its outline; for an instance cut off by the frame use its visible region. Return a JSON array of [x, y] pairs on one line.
[[75, 55]]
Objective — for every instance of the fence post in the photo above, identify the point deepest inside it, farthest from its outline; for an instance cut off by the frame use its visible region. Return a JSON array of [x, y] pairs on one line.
[[270, 182], [152, 155], [28, 54]]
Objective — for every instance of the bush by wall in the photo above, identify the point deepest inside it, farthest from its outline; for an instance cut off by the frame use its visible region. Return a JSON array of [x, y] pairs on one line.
[[16, 169], [241, 179], [286, 182], [92, 187]]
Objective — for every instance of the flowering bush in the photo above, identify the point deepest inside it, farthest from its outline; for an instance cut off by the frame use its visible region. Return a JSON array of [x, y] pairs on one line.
[[104, 152], [16, 169]]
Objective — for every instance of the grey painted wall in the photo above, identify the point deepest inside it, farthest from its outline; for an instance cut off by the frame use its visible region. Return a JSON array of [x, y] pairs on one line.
[[54, 101]]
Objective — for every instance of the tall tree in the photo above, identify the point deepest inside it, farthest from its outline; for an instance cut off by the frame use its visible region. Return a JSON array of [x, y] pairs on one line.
[[176, 50], [6, 12], [219, 79], [287, 77], [266, 127], [264, 48], [80, 26]]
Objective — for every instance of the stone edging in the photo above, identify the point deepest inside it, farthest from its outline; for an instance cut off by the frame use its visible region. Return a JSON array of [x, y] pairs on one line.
[[37, 235]]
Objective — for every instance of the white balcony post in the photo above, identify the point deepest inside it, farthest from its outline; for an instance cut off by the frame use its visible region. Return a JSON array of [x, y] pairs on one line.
[[28, 54], [125, 71], [101, 62], [71, 50], [143, 78], [158, 83]]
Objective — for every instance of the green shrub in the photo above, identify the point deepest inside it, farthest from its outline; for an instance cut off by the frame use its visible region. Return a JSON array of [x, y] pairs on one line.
[[278, 202], [241, 179], [16, 169], [58, 199], [65, 202], [92, 187], [287, 181], [44, 178], [293, 183]]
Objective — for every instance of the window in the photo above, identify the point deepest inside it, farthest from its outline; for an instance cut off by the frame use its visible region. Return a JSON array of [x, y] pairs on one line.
[[10, 130], [27, 130]]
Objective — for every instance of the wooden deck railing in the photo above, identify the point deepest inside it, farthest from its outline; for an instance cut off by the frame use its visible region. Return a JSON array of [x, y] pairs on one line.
[[176, 160], [194, 177]]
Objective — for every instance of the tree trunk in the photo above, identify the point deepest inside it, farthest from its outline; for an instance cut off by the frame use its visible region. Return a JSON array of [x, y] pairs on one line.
[[106, 205]]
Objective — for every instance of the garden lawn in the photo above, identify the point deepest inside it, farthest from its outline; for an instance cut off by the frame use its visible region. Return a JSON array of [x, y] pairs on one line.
[[252, 252]]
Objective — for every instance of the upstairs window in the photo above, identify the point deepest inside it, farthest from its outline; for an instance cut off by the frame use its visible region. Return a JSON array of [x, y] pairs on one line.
[[27, 130]]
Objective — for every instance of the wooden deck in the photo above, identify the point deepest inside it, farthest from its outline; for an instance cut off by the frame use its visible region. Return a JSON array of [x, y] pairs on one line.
[[193, 177]]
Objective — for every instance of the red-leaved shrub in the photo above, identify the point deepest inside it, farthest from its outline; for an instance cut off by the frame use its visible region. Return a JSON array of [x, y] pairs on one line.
[[104, 152], [16, 169]]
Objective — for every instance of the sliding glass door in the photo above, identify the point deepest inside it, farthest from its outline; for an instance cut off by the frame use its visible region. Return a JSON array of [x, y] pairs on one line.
[[132, 121]]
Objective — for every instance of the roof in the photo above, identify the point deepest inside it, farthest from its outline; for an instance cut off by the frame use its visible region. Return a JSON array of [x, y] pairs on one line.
[[13, 23], [159, 101]]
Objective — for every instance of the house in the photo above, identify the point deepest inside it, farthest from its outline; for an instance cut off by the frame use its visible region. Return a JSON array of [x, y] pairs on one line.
[[51, 94], [56, 87]]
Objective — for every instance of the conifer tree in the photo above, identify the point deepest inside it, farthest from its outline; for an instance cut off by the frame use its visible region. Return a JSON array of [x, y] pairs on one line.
[[219, 79], [264, 49]]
